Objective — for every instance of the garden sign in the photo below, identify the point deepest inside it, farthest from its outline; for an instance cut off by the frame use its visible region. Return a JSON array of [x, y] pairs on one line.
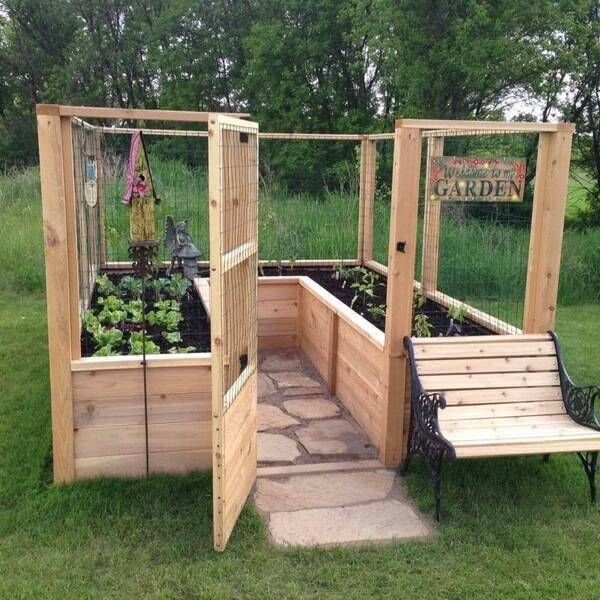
[[477, 179]]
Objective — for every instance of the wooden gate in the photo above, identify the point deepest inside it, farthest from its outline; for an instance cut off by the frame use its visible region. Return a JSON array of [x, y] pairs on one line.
[[233, 198]]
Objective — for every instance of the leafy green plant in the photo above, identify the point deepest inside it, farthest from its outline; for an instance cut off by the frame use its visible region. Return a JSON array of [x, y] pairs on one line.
[[157, 285], [167, 305], [422, 325], [90, 321], [377, 311], [107, 340], [105, 285], [178, 286], [418, 299], [457, 312], [132, 286], [134, 310], [173, 337], [182, 349], [165, 318], [137, 343], [339, 272], [364, 289], [112, 312], [352, 276]]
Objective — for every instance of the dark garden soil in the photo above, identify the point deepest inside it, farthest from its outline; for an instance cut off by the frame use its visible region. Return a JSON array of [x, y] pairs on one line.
[[194, 328], [342, 290]]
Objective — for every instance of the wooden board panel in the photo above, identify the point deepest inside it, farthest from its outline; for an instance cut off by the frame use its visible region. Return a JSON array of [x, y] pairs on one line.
[[499, 422], [124, 465], [180, 462], [363, 401], [487, 365], [315, 318], [489, 380], [505, 409], [239, 455], [476, 349], [519, 448], [522, 432], [481, 339], [498, 395]]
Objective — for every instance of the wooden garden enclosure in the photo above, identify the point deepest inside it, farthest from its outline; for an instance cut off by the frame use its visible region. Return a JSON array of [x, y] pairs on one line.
[[129, 415]]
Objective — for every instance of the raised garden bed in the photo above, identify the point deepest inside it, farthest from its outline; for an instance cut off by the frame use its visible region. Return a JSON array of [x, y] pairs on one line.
[[176, 322], [365, 291]]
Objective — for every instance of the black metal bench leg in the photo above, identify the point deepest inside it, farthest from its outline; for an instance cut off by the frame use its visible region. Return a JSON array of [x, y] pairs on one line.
[[434, 464], [546, 458], [590, 461]]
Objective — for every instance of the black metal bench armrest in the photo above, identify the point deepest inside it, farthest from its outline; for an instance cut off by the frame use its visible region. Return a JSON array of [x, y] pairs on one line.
[[579, 401], [424, 411]]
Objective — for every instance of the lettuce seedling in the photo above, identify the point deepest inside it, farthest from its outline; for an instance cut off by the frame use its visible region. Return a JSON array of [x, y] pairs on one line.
[[132, 286], [182, 350], [136, 344], [178, 286], [105, 285], [173, 337]]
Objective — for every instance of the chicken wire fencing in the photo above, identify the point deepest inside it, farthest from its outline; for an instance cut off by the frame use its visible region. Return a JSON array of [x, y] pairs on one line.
[[474, 228], [159, 310], [309, 199]]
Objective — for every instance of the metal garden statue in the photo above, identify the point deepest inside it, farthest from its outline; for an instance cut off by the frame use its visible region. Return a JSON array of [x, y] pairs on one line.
[[140, 196], [181, 247]]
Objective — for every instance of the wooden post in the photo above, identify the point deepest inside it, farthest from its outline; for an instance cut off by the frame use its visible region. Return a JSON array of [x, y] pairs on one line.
[[431, 225], [368, 166], [401, 271], [547, 221], [55, 218]]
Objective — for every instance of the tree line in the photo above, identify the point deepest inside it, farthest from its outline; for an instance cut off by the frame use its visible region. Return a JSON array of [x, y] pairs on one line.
[[307, 65]]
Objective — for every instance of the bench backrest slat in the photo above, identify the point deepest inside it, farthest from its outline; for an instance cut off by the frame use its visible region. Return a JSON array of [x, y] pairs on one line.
[[490, 377]]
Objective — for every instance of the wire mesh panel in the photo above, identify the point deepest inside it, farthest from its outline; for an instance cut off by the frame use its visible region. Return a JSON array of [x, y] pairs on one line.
[[309, 198], [178, 160], [382, 200], [475, 239], [88, 208], [233, 192]]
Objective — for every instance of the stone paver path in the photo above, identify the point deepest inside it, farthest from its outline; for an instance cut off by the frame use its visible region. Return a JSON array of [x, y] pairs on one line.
[[319, 480]]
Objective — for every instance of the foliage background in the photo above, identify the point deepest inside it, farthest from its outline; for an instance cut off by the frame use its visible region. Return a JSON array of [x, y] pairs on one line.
[[308, 65]]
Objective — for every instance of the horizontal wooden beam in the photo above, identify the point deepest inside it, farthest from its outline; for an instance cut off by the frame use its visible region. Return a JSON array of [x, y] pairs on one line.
[[265, 135], [132, 361], [512, 126], [99, 112]]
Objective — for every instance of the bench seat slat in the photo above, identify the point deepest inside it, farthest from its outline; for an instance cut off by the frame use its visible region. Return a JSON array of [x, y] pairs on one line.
[[493, 435], [452, 340], [539, 445], [484, 350], [499, 395], [507, 409], [506, 364], [442, 383], [560, 419]]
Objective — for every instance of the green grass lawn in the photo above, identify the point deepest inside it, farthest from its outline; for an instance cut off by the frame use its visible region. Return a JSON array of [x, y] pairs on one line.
[[514, 528]]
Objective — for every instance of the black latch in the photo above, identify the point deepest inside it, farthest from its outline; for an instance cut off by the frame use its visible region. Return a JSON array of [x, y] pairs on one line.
[[401, 246], [243, 137]]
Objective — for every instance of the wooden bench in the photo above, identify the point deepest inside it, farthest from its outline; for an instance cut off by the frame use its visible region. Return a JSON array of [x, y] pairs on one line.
[[497, 395]]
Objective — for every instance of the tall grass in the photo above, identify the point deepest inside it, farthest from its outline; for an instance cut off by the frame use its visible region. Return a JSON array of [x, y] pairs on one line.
[[477, 260]]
